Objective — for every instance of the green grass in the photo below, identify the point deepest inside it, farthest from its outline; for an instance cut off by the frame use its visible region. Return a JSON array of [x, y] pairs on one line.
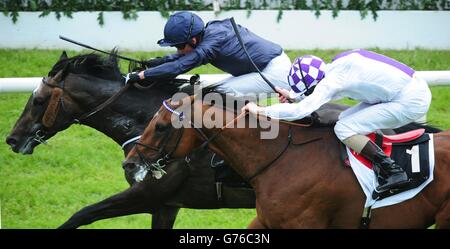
[[81, 166], [36, 63]]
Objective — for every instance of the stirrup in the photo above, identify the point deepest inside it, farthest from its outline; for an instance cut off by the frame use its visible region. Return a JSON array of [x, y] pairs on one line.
[[392, 187]]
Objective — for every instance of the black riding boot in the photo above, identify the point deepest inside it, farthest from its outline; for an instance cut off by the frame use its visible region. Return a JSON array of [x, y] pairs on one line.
[[388, 173]]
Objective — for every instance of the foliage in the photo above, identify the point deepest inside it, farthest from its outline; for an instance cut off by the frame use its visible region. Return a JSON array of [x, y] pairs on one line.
[[130, 8]]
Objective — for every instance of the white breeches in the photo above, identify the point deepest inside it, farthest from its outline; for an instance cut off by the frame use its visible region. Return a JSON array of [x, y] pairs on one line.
[[252, 83], [410, 104]]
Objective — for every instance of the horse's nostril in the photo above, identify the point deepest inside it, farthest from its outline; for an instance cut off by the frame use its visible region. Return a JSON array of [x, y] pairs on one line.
[[11, 141], [128, 165]]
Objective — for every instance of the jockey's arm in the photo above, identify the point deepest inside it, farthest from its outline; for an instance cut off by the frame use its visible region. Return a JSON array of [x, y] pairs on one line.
[[161, 60], [295, 111], [204, 53], [174, 68]]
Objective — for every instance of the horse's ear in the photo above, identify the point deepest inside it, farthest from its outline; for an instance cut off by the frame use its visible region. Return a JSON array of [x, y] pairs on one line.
[[63, 56], [113, 55]]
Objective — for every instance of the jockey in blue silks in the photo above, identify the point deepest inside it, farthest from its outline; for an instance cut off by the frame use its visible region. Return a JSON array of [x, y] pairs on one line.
[[390, 93], [216, 43]]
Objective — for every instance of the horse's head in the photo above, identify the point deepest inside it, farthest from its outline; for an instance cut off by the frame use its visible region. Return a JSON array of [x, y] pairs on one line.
[[161, 141], [159, 157], [59, 99], [179, 128]]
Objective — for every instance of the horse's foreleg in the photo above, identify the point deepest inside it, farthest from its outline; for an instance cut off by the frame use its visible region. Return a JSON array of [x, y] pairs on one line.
[[130, 201], [164, 218]]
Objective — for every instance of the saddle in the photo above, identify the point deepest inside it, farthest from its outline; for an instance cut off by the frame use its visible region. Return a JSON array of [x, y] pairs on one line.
[[409, 150]]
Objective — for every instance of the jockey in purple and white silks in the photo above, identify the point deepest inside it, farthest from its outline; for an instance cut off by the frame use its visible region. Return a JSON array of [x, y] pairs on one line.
[[390, 93]]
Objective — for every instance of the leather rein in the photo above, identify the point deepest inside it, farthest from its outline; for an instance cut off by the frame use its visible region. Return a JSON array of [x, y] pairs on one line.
[[162, 158], [57, 99]]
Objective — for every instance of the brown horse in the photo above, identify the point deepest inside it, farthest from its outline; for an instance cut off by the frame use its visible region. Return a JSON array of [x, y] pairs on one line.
[[298, 184]]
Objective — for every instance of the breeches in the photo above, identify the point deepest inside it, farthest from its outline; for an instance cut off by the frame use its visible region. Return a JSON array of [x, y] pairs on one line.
[[252, 83], [407, 106]]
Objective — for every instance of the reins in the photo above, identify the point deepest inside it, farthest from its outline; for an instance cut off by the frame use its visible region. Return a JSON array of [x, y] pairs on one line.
[[165, 157], [265, 167], [161, 159], [57, 98], [103, 105]]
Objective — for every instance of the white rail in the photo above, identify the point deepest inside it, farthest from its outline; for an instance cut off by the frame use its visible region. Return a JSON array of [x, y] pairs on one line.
[[29, 84]]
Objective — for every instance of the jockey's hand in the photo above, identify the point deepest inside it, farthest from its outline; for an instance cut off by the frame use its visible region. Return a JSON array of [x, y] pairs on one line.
[[133, 78], [154, 62], [252, 108], [283, 95]]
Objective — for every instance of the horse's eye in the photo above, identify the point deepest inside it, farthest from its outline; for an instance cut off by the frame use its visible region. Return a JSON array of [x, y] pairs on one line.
[[38, 101], [161, 127]]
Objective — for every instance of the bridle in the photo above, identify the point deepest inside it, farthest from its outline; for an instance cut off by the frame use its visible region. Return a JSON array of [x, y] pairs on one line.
[[57, 100], [157, 163], [52, 110], [56, 97], [162, 158]]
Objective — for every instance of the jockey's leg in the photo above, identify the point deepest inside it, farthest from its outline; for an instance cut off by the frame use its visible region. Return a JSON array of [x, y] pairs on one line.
[[380, 116], [411, 103], [356, 108], [252, 83], [389, 174]]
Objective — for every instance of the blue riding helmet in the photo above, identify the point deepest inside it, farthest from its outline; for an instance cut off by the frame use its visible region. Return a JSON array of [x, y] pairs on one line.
[[180, 28]]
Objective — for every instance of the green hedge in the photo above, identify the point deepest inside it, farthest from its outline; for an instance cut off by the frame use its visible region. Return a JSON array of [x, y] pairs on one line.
[[131, 7]]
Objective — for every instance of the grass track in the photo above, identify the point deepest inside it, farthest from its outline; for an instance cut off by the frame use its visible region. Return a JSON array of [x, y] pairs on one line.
[[81, 166]]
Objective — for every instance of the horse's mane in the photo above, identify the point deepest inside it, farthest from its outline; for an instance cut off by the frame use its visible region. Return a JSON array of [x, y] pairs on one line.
[[106, 67], [230, 98], [91, 64]]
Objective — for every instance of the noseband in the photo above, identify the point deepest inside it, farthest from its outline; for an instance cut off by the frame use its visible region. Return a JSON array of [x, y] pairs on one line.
[[57, 98], [50, 114], [163, 157], [160, 160]]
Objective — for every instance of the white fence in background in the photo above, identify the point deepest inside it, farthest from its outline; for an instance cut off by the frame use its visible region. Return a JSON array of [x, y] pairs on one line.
[[297, 29], [29, 84]]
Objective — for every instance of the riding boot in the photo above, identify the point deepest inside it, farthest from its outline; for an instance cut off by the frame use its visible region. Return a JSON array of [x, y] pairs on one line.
[[388, 173]]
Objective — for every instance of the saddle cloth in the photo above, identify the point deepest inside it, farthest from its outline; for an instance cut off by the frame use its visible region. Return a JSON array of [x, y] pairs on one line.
[[413, 151]]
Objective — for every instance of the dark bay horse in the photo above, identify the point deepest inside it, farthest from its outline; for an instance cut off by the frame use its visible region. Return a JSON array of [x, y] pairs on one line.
[[298, 184], [86, 82]]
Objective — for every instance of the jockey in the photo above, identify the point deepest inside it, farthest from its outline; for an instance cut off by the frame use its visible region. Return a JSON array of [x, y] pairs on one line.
[[390, 93], [216, 43]]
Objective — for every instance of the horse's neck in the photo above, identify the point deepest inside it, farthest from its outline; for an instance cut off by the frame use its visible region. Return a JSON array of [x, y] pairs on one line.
[[127, 116], [117, 126], [246, 151], [251, 156]]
